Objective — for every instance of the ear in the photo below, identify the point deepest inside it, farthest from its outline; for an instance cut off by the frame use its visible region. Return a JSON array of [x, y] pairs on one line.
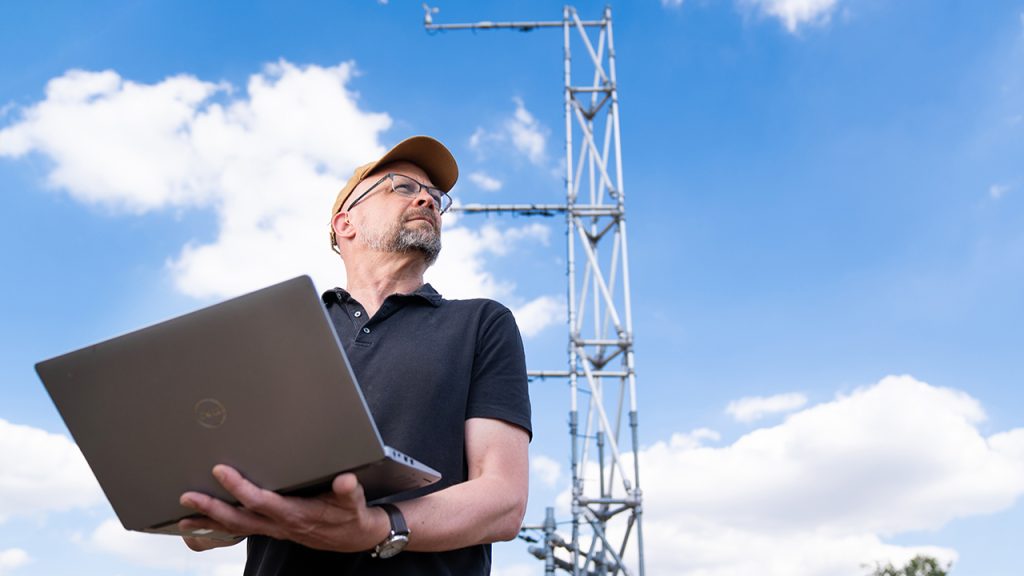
[[342, 226]]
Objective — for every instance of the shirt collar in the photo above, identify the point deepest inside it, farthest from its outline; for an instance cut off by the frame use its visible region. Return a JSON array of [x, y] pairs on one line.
[[426, 293]]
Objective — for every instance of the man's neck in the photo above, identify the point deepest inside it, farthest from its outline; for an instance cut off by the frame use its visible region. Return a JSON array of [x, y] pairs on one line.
[[371, 280]]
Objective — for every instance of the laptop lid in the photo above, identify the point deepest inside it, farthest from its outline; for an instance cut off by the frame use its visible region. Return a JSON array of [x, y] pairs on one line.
[[259, 382]]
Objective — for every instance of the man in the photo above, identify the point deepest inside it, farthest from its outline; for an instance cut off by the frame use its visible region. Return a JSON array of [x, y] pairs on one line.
[[445, 380]]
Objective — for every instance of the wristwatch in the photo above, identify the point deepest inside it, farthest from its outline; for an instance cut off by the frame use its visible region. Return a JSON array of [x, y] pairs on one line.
[[399, 536]]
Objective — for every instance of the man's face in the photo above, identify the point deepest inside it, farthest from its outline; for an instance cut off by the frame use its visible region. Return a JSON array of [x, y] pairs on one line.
[[390, 222]]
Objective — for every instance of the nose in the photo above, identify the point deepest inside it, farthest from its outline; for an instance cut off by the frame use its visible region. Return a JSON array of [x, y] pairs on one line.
[[425, 199]]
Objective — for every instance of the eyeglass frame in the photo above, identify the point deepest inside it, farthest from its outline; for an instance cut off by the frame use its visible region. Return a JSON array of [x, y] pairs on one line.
[[390, 175]]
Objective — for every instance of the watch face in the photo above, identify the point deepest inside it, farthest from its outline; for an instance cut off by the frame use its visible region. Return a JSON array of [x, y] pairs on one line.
[[392, 546]]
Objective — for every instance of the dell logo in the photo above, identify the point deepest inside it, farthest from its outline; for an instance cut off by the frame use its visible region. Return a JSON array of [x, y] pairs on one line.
[[210, 413]]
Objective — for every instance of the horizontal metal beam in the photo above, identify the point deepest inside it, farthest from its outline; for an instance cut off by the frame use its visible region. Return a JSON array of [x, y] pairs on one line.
[[602, 342], [521, 26], [610, 373], [585, 210], [624, 501], [548, 373], [526, 209], [566, 373]]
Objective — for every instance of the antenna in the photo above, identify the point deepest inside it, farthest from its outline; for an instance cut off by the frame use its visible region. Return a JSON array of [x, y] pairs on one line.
[[607, 533], [428, 16]]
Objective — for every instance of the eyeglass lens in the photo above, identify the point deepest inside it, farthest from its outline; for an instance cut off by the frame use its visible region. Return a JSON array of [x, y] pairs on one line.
[[407, 186]]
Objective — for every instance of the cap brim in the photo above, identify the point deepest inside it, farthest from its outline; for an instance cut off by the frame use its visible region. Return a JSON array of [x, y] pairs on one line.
[[429, 154]]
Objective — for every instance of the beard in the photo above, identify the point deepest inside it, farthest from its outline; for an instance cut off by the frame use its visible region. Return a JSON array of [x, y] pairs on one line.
[[402, 239]]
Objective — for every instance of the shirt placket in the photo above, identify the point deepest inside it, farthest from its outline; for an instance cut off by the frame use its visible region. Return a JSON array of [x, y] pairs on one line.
[[366, 330]]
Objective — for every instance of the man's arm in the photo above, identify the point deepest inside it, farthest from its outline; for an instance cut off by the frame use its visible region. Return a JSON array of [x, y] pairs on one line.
[[488, 507]]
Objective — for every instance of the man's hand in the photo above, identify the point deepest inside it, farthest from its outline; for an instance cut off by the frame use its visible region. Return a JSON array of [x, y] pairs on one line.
[[338, 520]]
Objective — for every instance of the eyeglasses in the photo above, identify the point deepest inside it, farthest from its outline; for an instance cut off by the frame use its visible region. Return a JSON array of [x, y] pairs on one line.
[[409, 188]]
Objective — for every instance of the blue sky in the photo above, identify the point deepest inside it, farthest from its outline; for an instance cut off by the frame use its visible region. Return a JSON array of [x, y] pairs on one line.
[[825, 201]]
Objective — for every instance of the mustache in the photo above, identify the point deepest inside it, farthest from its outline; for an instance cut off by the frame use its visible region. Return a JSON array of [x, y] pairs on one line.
[[425, 213]]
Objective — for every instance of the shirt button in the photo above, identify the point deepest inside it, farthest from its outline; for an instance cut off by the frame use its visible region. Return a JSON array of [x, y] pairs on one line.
[[357, 313], [366, 330]]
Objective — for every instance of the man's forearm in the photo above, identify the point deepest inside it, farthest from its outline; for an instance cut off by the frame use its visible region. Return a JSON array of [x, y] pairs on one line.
[[488, 507], [475, 512]]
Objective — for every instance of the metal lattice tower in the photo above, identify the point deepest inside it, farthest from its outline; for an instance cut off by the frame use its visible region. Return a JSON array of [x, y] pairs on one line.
[[606, 530]]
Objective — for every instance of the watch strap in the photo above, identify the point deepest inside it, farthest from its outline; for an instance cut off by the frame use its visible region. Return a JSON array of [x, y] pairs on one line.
[[398, 525], [397, 538]]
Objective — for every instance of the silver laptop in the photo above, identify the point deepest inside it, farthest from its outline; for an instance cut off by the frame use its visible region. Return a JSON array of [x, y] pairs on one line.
[[259, 382]]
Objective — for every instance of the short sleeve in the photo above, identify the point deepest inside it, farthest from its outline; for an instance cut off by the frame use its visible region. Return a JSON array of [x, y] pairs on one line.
[[499, 387]]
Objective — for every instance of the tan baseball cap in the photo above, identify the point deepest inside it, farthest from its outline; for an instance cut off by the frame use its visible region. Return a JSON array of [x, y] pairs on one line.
[[427, 153]]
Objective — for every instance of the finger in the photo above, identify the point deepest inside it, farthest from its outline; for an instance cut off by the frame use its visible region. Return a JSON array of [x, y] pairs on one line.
[[224, 516], [197, 501], [201, 526], [263, 511], [249, 495], [348, 492]]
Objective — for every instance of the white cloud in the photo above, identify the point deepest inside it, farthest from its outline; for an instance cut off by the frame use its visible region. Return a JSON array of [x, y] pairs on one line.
[[157, 551], [1009, 444], [485, 182], [671, 3], [538, 314], [712, 550], [268, 162], [478, 138], [794, 13], [115, 142], [997, 191], [505, 241], [693, 439], [756, 407], [460, 271], [545, 469], [517, 570], [42, 472], [528, 136], [818, 494], [12, 558], [522, 131]]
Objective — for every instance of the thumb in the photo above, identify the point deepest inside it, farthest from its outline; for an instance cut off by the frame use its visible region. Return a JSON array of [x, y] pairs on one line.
[[347, 489]]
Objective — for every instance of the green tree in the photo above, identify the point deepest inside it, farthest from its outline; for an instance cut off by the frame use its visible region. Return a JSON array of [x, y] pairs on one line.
[[918, 566]]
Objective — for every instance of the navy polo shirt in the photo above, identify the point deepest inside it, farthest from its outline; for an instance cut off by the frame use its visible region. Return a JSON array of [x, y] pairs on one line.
[[425, 365]]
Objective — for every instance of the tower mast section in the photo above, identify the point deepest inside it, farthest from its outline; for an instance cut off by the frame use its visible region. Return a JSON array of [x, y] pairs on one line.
[[606, 528]]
